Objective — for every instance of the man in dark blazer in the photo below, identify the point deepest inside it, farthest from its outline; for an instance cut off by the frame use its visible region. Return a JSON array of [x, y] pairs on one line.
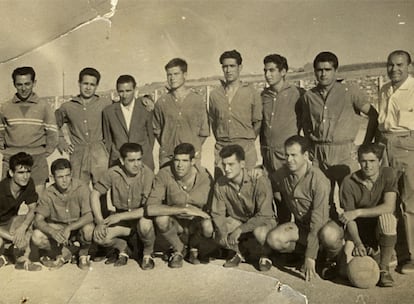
[[128, 121]]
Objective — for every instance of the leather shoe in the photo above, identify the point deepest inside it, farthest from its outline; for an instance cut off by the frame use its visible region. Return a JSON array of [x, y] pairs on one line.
[[386, 279], [121, 261], [176, 260], [147, 263], [193, 257], [84, 262], [265, 264], [408, 267], [234, 261]]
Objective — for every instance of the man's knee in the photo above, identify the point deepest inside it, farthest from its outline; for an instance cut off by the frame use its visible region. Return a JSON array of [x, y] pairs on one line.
[[283, 238], [207, 228], [163, 223], [387, 224], [331, 235], [86, 233], [260, 233], [145, 226], [40, 239]]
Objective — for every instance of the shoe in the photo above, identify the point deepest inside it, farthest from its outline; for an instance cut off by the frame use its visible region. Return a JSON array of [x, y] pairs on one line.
[[176, 260], [84, 262], [193, 257], [147, 263], [52, 264], [329, 271], [408, 267], [234, 261], [29, 266], [265, 264], [112, 257], [3, 261], [386, 279], [121, 261]]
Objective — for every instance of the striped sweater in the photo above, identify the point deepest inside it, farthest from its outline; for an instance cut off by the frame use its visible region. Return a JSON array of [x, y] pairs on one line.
[[28, 126]]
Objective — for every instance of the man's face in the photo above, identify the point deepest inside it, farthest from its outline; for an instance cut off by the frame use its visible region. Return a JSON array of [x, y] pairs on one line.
[[231, 69], [232, 167], [182, 164], [325, 74], [132, 162], [24, 85], [126, 92], [397, 68], [295, 159], [175, 77], [63, 179], [88, 86], [370, 164], [21, 175], [272, 74]]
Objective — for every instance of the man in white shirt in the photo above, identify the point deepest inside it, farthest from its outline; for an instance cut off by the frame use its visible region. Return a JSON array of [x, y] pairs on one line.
[[128, 121], [396, 125]]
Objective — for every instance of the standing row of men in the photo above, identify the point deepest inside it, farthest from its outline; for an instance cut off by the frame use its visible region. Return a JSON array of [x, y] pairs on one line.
[[327, 115]]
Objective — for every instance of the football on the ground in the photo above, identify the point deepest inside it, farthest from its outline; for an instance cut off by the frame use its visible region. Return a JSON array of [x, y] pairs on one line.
[[363, 272]]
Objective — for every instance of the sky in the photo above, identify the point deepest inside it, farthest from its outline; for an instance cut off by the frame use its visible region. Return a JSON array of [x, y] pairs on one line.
[[60, 37]]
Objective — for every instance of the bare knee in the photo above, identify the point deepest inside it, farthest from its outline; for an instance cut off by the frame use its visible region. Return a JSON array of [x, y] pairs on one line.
[[260, 233], [40, 239], [145, 226], [207, 228], [163, 223], [87, 233]]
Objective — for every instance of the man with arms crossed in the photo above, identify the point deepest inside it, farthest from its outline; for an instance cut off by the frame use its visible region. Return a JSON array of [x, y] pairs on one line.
[[18, 199], [235, 112], [396, 125], [180, 193], [130, 184], [242, 203], [180, 115], [63, 216]]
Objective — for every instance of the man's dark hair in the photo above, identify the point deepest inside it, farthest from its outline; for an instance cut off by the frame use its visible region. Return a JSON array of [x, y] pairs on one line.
[[60, 164], [376, 149], [128, 148], [303, 142], [27, 70], [400, 53], [21, 159], [177, 62], [185, 148], [90, 72], [326, 57], [277, 59], [231, 54], [230, 150], [126, 79]]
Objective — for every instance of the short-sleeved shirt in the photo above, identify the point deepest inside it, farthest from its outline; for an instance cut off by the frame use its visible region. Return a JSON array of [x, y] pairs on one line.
[[307, 199], [170, 191], [180, 121], [281, 116], [65, 208], [84, 120], [234, 119], [355, 195], [396, 108], [128, 192], [250, 204], [334, 119], [9, 206]]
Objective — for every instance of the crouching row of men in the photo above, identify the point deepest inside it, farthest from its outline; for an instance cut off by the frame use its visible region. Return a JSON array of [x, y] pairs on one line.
[[184, 206]]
